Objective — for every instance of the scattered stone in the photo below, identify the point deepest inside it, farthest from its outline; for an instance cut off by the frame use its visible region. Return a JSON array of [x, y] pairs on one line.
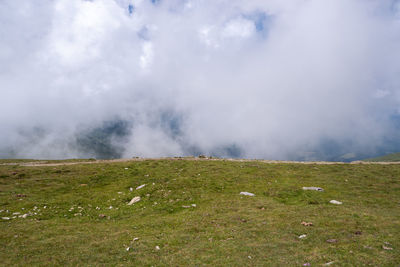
[[329, 263], [140, 186], [307, 264], [247, 194], [335, 202], [126, 168], [5, 218], [307, 223], [110, 207], [131, 189], [134, 200], [387, 248], [302, 236], [331, 240], [128, 248], [119, 193], [194, 205], [135, 239], [249, 257], [157, 248], [16, 213], [313, 188], [24, 216]]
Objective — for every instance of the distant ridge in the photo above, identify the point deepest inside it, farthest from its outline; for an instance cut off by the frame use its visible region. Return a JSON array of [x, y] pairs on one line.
[[394, 157]]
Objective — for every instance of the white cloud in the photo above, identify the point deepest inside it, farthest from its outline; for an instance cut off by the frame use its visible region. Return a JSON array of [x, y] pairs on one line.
[[242, 28], [197, 75]]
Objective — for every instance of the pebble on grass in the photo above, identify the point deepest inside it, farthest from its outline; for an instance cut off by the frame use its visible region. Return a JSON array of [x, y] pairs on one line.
[[134, 200], [335, 202], [247, 194]]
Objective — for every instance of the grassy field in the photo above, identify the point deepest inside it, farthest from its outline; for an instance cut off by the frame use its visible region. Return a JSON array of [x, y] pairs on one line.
[[191, 214]]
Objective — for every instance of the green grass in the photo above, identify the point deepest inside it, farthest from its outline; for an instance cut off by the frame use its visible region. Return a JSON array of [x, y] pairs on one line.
[[394, 157], [224, 229]]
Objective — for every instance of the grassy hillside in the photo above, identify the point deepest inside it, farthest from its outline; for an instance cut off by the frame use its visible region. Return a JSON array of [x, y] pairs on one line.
[[191, 214], [394, 157]]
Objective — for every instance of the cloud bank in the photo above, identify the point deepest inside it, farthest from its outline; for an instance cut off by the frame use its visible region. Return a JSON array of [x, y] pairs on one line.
[[274, 79]]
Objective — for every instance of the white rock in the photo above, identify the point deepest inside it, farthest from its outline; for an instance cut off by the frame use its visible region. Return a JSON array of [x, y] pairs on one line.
[[313, 188], [24, 216], [247, 194], [128, 248], [136, 239], [329, 263], [194, 205], [140, 186], [131, 189], [5, 218], [134, 200], [126, 168], [335, 202], [157, 248], [302, 236], [16, 213]]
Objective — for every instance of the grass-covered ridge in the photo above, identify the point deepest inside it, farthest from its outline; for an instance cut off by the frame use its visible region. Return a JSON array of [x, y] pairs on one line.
[[78, 214], [394, 157]]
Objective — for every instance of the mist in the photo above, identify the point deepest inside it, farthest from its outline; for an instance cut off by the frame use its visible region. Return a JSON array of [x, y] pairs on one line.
[[271, 79]]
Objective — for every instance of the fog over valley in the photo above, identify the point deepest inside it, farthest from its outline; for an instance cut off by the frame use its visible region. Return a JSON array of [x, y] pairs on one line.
[[270, 79]]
